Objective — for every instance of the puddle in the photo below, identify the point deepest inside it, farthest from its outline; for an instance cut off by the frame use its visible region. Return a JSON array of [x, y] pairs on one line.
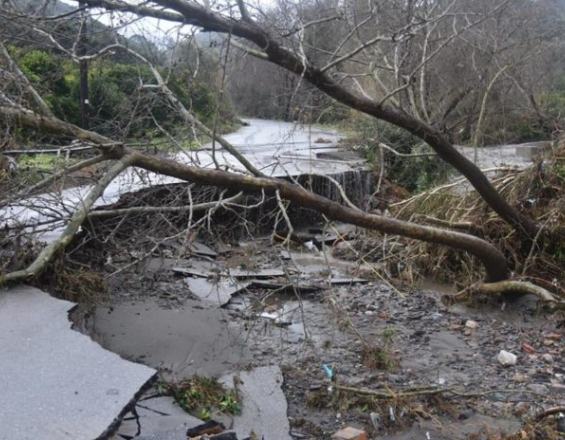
[[181, 342], [451, 349], [445, 429]]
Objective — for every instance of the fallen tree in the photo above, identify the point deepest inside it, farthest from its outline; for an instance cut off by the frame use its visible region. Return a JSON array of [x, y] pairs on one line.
[[493, 260], [271, 49]]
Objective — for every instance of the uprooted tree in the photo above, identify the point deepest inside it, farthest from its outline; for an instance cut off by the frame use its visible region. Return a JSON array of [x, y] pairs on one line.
[[245, 29]]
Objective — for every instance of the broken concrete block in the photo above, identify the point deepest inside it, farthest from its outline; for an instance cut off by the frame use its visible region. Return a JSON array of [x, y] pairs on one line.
[[55, 382], [263, 403], [216, 291], [350, 433], [157, 418]]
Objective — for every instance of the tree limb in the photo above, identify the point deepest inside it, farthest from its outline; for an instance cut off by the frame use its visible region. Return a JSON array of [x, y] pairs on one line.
[[50, 251], [493, 260], [13, 67], [206, 19]]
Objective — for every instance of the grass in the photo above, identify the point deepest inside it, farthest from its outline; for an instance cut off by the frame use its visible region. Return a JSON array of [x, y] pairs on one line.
[[538, 192], [202, 396], [381, 357], [41, 162]]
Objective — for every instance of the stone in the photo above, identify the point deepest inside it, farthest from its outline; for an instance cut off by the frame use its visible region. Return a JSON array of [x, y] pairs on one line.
[[520, 377], [558, 388], [350, 433], [521, 408], [547, 358], [472, 325], [538, 388], [55, 382], [506, 359], [527, 348]]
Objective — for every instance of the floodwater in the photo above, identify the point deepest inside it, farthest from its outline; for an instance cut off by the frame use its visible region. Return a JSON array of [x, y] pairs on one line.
[[181, 342], [276, 148], [225, 328], [512, 155]]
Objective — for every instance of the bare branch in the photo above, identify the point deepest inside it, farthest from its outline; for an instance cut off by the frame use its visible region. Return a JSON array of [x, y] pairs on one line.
[[50, 251]]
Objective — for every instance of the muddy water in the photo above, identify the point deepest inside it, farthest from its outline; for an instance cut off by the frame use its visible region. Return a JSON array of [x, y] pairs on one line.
[[180, 342]]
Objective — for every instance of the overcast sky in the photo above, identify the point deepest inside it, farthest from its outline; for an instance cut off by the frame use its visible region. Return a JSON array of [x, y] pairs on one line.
[[158, 31]]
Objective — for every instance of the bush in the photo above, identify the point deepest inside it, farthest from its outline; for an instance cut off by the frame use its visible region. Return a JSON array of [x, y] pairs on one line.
[[117, 106], [554, 101], [413, 173]]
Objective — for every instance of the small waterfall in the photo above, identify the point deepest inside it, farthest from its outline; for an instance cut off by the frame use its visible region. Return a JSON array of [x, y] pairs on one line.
[[357, 186]]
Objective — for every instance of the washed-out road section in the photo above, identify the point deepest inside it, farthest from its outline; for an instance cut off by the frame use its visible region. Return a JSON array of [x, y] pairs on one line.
[[57, 383]]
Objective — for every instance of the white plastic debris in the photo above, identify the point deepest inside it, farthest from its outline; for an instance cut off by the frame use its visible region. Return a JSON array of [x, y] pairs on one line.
[[506, 359], [391, 414], [311, 246], [375, 420]]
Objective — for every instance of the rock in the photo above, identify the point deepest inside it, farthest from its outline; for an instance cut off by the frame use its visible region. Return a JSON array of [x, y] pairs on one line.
[[527, 348], [547, 358], [520, 378], [538, 388], [472, 325], [521, 408], [558, 388], [466, 414], [350, 433], [506, 359]]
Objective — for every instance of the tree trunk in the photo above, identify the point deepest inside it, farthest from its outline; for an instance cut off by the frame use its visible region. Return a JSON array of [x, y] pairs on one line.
[[197, 15], [493, 260]]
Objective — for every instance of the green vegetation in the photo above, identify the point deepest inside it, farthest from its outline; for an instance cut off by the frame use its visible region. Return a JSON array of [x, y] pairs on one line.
[[41, 162], [381, 357], [118, 105], [202, 395], [554, 101], [412, 173], [34, 167]]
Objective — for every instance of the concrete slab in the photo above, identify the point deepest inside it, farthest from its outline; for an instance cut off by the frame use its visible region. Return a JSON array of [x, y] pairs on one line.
[[198, 248], [216, 291], [56, 383], [256, 273], [264, 406], [157, 418]]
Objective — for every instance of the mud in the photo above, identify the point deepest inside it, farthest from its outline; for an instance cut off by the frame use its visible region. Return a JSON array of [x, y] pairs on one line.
[[154, 318], [180, 341]]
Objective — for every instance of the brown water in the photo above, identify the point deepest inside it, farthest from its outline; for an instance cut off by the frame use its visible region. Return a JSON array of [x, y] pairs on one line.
[[181, 342]]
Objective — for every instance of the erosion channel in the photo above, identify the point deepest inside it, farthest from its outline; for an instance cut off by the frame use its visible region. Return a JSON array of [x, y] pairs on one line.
[[304, 337]]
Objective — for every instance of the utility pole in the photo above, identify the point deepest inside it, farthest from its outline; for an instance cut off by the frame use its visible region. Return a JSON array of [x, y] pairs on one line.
[[84, 104]]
